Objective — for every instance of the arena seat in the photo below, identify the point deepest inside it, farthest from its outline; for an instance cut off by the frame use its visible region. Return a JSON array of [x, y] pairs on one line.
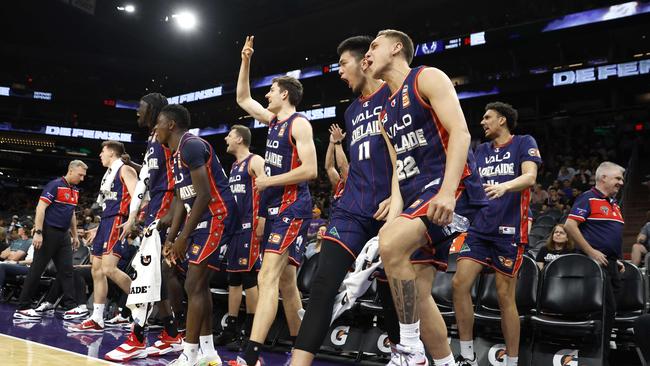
[[487, 307], [545, 221], [306, 274], [442, 292], [570, 308], [630, 303]]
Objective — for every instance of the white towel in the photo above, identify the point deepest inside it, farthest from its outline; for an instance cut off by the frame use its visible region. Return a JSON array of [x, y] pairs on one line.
[[107, 181], [357, 283], [145, 288]]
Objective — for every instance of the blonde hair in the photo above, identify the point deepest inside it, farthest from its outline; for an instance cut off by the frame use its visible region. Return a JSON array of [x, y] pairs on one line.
[[77, 163]]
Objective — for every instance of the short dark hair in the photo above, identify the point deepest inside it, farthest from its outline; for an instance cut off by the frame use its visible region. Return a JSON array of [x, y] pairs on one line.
[[116, 146], [178, 114], [407, 43], [357, 46], [507, 111], [292, 86], [243, 132]]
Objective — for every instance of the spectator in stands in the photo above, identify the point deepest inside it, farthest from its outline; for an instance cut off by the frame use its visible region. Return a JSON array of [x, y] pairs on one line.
[[315, 223], [566, 190], [583, 176], [314, 246], [18, 266], [539, 195], [3, 238], [14, 221], [19, 244], [642, 245], [595, 224], [555, 201], [566, 173], [557, 244]]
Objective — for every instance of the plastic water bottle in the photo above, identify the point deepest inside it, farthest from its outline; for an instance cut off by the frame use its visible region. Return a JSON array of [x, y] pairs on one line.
[[459, 224]]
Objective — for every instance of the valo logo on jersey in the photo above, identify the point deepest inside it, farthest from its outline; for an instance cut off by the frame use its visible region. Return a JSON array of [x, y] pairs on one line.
[[566, 357], [497, 355], [340, 335]]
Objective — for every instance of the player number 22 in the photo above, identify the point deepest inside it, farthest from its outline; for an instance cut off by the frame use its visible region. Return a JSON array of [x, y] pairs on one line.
[[406, 168]]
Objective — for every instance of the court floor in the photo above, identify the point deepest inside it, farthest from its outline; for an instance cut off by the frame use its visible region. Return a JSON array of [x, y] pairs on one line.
[[46, 342]]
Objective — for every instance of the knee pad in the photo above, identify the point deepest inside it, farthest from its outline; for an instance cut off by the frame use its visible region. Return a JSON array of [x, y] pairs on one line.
[[249, 279], [234, 279]]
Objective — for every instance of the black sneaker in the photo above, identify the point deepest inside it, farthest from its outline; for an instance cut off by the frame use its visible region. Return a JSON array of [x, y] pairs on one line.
[[462, 361]]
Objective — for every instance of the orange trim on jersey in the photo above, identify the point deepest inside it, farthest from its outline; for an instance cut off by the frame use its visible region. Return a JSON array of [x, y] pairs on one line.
[[524, 203], [366, 98], [334, 240], [216, 203], [169, 164], [126, 198], [114, 235], [214, 238], [165, 204]]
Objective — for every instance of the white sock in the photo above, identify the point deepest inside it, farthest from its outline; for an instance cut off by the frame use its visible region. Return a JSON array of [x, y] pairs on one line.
[[447, 361], [512, 361], [467, 349], [409, 334], [191, 351], [98, 313], [206, 343]]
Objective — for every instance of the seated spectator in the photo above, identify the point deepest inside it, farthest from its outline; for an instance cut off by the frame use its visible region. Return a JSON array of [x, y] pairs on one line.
[[539, 195], [316, 222], [18, 246], [557, 244], [566, 173], [555, 201], [3, 238], [583, 177], [18, 267], [642, 245], [314, 246], [566, 190]]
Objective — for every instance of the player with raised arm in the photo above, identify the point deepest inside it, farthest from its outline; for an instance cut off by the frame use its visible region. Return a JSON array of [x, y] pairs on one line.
[[290, 162]]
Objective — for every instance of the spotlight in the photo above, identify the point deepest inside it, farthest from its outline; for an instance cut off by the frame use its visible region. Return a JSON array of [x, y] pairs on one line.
[[129, 8], [185, 20]]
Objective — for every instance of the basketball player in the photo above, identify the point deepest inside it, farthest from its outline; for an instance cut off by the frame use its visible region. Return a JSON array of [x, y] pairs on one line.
[[157, 180], [117, 188], [208, 215], [498, 236], [433, 169], [335, 156], [363, 204], [244, 251], [290, 162]]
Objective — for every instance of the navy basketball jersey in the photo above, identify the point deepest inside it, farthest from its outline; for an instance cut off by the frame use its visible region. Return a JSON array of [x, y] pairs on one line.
[[506, 216], [159, 163], [116, 202], [281, 156], [420, 141], [242, 185], [370, 172], [194, 152]]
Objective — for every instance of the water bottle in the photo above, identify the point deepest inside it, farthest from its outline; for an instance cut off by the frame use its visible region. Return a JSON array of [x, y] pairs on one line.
[[459, 224]]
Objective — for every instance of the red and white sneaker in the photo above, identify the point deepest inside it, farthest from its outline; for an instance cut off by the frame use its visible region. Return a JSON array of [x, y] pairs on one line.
[[128, 350], [240, 362], [166, 344], [87, 325], [27, 314], [76, 313]]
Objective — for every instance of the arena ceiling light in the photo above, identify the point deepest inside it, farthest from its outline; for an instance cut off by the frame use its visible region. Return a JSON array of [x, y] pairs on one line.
[[128, 8], [185, 20]]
